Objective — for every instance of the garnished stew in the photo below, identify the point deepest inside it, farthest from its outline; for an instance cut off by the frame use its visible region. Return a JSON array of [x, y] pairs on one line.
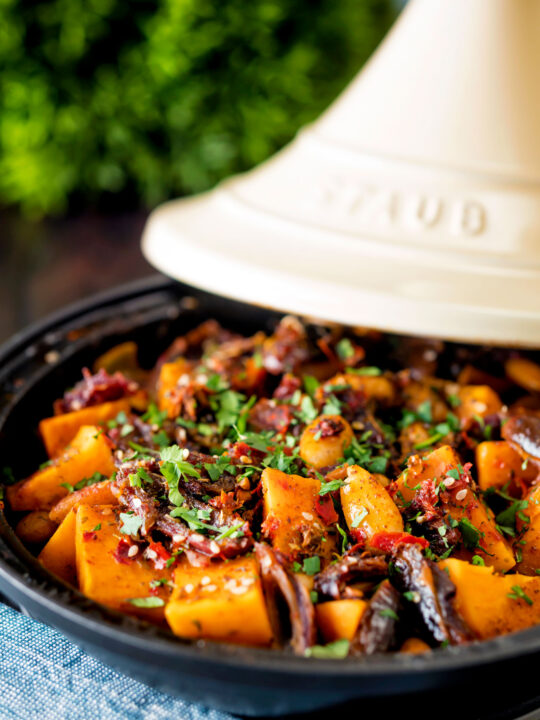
[[335, 491]]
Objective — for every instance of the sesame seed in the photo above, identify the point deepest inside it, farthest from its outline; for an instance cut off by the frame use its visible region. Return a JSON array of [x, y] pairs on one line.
[[206, 580], [449, 481], [151, 554], [307, 516], [239, 590], [214, 547], [461, 494], [133, 550], [185, 453], [188, 588]]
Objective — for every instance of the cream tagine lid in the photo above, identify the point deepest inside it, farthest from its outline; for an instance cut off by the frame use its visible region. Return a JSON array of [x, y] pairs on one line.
[[412, 205]]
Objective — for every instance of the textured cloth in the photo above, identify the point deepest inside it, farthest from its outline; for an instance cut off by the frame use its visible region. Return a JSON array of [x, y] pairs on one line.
[[43, 675]]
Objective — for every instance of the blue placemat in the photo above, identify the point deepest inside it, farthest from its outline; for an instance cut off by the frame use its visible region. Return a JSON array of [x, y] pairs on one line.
[[44, 675]]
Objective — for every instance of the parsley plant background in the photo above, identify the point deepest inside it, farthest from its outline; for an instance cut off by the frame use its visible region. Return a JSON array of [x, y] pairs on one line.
[[124, 103]]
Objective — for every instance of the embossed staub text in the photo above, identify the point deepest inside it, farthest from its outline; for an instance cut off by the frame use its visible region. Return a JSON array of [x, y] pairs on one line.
[[368, 206]]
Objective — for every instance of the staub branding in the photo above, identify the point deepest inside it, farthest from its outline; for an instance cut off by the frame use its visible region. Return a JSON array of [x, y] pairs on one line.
[[367, 206]]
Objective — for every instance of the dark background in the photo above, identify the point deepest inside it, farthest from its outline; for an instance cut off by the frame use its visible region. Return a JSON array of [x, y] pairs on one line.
[[109, 107]]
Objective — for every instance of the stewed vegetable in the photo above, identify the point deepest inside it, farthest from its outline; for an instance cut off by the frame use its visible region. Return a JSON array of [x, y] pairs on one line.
[[333, 490]]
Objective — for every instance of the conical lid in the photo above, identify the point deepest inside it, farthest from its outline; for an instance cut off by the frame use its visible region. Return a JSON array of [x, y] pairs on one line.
[[411, 205]]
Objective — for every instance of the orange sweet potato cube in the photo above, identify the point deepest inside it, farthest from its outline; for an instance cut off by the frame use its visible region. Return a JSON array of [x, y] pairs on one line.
[[59, 430], [169, 375], [89, 453], [58, 555], [113, 579], [498, 464], [224, 601], [493, 604], [339, 619], [291, 519], [494, 549]]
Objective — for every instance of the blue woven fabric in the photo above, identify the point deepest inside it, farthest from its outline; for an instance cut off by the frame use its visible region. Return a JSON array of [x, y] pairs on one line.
[[43, 675]]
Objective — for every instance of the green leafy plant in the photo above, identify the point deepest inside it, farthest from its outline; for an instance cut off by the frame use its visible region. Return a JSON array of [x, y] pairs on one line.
[[130, 102]]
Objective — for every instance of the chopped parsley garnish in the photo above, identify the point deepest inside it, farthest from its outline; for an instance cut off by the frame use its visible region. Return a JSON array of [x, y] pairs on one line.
[[520, 594], [360, 515], [154, 416], [127, 429], [158, 583], [369, 371], [174, 468], [232, 532], [333, 651], [469, 534], [506, 519], [307, 412], [429, 441], [193, 519], [312, 565], [344, 538], [131, 523], [138, 478], [345, 349], [332, 406], [310, 384], [85, 482], [330, 486], [120, 419], [147, 602]]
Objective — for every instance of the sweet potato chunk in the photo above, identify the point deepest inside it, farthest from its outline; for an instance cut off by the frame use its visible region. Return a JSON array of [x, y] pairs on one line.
[[35, 528], [524, 372], [324, 440], [113, 577], [375, 387], [434, 465], [169, 375], [89, 453], [529, 533], [339, 619], [98, 494], [292, 519], [493, 604], [58, 555], [58, 431], [480, 400], [465, 506], [367, 506], [222, 602], [498, 464], [414, 646]]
